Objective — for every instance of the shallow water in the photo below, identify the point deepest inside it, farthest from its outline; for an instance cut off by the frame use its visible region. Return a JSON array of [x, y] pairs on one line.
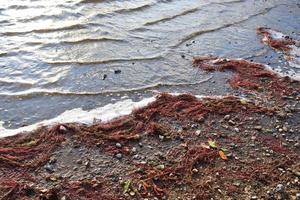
[[60, 55]]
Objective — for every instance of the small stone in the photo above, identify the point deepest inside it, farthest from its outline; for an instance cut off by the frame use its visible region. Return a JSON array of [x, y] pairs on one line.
[[194, 126], [79, 161], [280, 130], [237, 130], [298, 196], [198, 132], [254, 197], [279, 188], [62, 128], [161, 137], [226, 117], [133, 150], [140, 144], [161, 167], [258, 128], [49, 168], [195, 170], [136, 157], [132, 193], [119, 155], [118, 145], [285, 129], [297, 144]]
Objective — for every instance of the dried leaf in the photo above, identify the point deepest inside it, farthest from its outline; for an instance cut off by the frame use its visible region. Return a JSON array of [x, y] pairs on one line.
[[222, 155], [212, 143]]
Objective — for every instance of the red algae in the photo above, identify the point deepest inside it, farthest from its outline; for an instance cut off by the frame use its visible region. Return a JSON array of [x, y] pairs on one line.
[[250, 75], [275, 39]]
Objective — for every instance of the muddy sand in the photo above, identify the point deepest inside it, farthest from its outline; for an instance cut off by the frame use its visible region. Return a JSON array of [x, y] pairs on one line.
[[242, 146]]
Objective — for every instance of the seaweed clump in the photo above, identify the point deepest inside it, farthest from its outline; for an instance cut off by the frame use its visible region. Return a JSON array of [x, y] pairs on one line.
[[250, 76]]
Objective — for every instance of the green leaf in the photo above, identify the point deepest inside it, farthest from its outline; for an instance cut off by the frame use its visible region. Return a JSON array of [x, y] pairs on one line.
[[224, 149], [126, 186], [212, 143]]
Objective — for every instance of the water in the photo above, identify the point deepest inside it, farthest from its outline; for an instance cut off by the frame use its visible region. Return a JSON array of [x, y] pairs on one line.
[[59, 55]]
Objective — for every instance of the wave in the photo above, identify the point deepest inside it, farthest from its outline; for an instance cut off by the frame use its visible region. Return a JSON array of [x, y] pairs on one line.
[[17, 81], [78, 115], [100, 114], [201, 32], [54, 92], [103, 61], [171, 17], [45, 30], [87, 40]]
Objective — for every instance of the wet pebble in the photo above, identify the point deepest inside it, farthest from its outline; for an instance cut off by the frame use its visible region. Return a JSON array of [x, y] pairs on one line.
[[119, 155], [161, 137], [118, 145], [49, 168], [279, 188]]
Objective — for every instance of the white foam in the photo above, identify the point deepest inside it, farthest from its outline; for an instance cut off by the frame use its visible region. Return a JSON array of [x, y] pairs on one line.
[[78, 115]]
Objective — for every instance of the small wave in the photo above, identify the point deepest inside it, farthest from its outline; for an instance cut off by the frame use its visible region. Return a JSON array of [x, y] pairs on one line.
[[201, 32], [171, 17], [87, 40], [138, 8], [54, 92], [78, 115], [103, 61], [100, 114], [17, 81], [45, 30]]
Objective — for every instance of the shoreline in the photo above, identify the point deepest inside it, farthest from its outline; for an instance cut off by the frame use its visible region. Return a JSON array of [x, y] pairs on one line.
[[177, 146]]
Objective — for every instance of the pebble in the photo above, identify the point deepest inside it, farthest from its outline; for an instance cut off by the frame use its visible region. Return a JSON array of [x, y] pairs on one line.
[[119, 155], [298, 196], [279, 188], [161, 137], [136, 157], [132, 193], [49, 168], [254, 197], [297, 145], [284, 129], [258, 128], [118, 145], [140, 144], [195, 170], [237, 130], [133, 149], [226, 117], [198, 132], [62, 128]]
